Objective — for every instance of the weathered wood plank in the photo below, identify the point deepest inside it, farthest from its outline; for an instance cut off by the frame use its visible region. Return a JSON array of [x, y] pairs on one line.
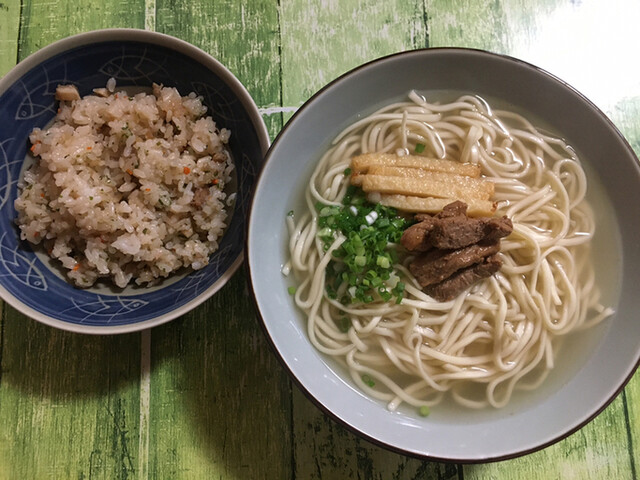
[[220, 402], [467, 23], [43, 22], [326, 450], [597, 451], [69, 402], [324, 39], [9, 26], [498, 26]]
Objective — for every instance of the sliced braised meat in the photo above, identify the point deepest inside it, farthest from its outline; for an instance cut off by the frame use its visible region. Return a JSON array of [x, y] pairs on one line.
[[201, 196], [416, 237], [454, 209], [458, 232], [453, 286], [452, 250], [451, 229], [437, 265]]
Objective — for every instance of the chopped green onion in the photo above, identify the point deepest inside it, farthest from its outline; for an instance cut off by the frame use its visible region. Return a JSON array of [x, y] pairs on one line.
[[398, 291], [290, 213], [328, 211], [368, 380], [364, 260], [126, 130], [347, 172], [344, 324], [382, 262], [420, 147], [291, 290], [424, 411], [324, 232]]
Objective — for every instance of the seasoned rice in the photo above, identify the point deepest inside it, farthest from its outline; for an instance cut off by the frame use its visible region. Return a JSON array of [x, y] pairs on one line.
[[127, 187]]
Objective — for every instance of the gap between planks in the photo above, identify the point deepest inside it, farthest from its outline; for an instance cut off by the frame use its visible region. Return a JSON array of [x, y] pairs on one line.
[[145, 408]]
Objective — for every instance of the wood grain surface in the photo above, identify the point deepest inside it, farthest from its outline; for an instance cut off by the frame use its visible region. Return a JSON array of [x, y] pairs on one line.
[[204, 396]]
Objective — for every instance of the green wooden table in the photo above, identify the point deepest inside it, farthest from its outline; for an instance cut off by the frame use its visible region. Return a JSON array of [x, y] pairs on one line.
[[204, 396]]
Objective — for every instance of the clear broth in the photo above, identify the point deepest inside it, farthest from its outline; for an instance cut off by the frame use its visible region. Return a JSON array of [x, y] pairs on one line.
[[577, 347]]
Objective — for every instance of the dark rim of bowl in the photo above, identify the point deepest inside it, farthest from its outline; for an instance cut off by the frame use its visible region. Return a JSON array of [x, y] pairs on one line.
[[184, 48], [462, 460]]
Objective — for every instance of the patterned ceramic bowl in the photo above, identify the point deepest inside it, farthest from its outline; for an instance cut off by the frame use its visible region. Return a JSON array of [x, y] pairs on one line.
[[28, 280]]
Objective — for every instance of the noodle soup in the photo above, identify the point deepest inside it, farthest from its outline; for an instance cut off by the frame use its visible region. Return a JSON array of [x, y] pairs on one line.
[[501, 335]]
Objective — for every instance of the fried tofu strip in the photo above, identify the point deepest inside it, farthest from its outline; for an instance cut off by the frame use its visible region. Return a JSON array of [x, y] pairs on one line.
[[362, 164], [475, 208], [414, 183], [439, 185], [472, 183]]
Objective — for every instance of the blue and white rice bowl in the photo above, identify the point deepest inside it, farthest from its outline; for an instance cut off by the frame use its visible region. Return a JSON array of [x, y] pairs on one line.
[[30, 281]]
